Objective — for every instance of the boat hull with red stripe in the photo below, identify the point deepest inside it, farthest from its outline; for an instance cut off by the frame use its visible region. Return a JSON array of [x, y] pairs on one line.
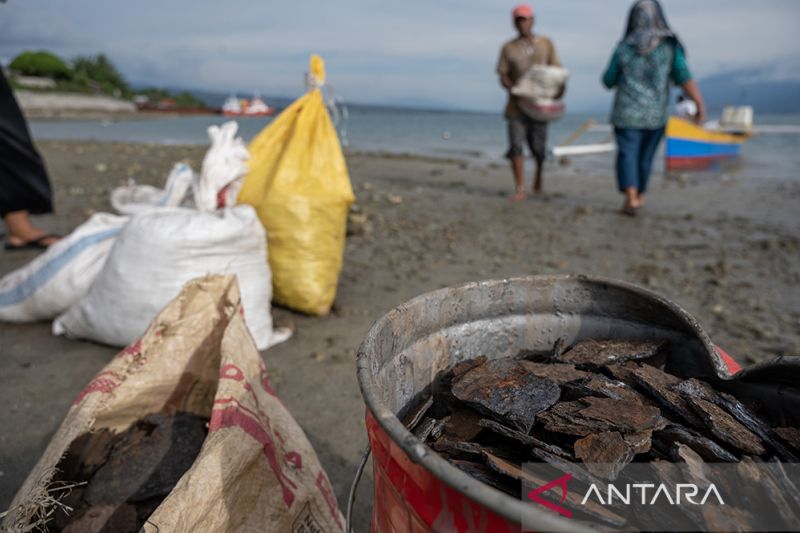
[[691, 147]]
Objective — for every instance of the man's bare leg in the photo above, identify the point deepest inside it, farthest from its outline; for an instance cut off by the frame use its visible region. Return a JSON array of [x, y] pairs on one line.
[[20, 229], [538, 179], [518, 169]]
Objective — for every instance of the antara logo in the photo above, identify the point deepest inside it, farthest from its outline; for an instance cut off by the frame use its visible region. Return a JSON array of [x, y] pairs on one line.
[[688, 491], [561, 482]]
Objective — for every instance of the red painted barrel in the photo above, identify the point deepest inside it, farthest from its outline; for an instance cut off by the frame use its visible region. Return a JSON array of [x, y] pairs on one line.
[[415, 490]]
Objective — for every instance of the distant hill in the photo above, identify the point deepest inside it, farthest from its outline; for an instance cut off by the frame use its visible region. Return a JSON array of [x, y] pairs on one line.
[[773, 88]]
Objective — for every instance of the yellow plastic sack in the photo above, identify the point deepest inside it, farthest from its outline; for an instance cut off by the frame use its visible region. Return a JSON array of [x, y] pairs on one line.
[[298, 184]]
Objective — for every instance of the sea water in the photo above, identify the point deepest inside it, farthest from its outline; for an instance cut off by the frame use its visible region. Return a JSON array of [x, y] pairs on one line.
[[472, 137]]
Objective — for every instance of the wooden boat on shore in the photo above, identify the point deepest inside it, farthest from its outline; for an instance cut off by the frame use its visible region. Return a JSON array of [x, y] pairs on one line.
[[689, 146], [694, 147]]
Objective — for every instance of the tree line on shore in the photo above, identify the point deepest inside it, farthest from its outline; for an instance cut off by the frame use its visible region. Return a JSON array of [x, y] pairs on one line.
[[89, 75]]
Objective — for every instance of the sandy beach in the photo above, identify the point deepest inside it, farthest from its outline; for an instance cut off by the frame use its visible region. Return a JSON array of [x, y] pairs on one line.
[[724, 248]]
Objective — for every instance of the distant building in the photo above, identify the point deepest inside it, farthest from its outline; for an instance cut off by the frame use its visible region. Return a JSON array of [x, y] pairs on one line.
[[35, 82], [167, 103]]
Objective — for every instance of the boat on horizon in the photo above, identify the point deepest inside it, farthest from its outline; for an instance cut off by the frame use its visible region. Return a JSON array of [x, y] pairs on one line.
[[256, 107]]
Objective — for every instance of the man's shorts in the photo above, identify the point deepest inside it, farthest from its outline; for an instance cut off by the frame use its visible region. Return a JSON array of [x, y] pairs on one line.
[[522, 129]]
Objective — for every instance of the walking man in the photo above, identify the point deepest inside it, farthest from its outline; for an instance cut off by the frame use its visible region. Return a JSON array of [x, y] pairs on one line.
[[516, 57]]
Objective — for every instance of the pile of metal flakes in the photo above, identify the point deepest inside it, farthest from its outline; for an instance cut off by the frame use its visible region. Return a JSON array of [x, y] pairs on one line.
[[591, 410], [114, 482]]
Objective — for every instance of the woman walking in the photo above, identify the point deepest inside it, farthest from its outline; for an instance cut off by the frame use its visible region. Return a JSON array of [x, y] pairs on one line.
[[649, 56]]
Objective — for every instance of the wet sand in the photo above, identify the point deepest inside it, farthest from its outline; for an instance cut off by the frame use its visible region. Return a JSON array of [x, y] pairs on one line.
[[724, 248]]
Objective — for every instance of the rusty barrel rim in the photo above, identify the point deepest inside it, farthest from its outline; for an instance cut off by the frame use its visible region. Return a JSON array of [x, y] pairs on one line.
[[510, 508]]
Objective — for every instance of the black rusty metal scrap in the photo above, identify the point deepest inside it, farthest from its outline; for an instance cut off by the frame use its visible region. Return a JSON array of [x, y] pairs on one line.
[[505, 388], [604, 403], [118, 480]]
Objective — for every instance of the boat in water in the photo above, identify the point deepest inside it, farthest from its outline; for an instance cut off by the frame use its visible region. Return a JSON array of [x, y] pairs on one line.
[[694, 147], [235, 107]]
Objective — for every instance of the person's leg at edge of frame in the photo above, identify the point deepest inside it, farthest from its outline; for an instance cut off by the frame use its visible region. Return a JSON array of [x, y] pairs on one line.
[[650, 141], [516, 132], [20, 230], [628, 141]]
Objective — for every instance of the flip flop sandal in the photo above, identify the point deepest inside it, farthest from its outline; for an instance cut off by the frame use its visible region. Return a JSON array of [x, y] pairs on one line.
[[33, 244]]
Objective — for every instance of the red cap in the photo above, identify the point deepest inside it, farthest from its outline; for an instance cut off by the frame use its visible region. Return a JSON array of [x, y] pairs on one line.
[[523, 11]]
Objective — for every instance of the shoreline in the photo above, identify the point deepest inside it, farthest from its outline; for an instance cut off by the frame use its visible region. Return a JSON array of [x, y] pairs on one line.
[[68, 106], [553, 165], [763, 159], [67, 115], [469, 158], [725, 250]]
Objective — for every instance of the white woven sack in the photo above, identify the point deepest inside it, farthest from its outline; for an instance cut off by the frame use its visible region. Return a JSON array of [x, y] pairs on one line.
[[156, 254], [541, 82], [539, 92], [61, 275], [224, 167], [133, 198]]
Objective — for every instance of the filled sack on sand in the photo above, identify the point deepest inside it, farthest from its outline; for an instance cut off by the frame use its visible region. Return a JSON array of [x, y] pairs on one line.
[[224, 167], [217, 185], [299, 185], [132, 198], [256, 469], [156, 254], [61, 275]]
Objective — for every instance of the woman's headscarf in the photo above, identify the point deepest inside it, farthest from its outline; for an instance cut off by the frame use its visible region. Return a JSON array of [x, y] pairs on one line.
[[647, 26]]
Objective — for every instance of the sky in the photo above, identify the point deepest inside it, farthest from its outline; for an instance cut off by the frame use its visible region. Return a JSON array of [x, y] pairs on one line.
[[434, 53]]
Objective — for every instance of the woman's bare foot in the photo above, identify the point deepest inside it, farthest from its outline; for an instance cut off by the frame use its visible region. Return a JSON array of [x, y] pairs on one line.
[[632, 204], [629, 210], [631, 198], [518, 196]]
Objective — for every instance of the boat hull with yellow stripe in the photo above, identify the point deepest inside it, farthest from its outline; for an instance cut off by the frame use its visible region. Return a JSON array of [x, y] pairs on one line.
[[690, 146]]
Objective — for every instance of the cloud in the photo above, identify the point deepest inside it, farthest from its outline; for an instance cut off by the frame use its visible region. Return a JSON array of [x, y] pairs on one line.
[[20, 29], [380, 52]]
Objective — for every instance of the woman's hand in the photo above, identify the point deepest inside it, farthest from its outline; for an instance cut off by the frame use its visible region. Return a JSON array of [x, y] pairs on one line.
[[700, 117], [691, 90]]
